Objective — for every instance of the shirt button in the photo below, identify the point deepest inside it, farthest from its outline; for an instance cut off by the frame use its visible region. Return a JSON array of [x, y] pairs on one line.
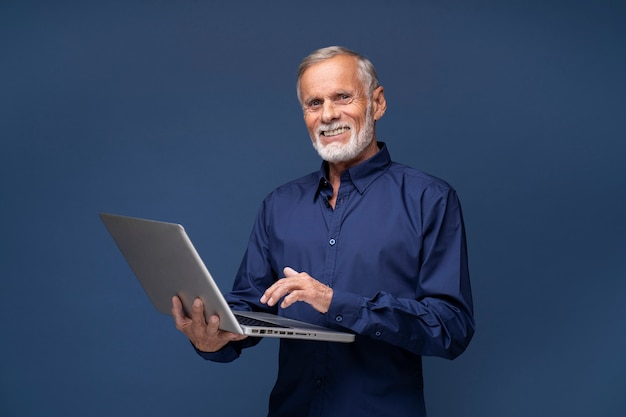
[[339, 319], [332, 242], [378, 333]]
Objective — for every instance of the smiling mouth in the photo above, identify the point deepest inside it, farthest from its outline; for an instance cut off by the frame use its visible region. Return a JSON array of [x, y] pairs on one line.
[[335, 132]]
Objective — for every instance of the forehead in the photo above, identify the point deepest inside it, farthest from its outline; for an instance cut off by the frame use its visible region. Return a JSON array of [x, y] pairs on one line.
[[331, 75]]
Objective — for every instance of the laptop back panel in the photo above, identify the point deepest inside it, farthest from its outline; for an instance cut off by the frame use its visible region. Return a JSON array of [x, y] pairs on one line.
[[166, 264]]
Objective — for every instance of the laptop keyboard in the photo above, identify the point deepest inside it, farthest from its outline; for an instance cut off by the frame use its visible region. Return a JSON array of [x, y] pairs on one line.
[[247, 321]]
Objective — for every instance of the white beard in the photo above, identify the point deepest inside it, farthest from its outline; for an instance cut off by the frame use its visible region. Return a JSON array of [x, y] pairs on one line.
[[340, 152]]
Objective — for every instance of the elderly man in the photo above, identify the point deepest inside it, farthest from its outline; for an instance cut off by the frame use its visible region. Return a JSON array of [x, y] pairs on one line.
[[365, 245]]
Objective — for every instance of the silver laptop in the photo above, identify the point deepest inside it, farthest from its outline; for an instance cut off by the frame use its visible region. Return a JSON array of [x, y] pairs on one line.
[[166, 263]]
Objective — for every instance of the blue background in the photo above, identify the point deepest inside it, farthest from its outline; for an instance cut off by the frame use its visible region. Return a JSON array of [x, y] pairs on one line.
[[186, 111]]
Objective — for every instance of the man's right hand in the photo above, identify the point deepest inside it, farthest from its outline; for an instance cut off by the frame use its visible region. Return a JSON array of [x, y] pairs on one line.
[[206, 337]]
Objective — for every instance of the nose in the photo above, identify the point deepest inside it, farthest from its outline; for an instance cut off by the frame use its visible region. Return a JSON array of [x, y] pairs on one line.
[[329, 111]]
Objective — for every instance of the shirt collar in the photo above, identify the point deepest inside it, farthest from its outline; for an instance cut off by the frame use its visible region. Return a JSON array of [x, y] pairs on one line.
[[363, 174]]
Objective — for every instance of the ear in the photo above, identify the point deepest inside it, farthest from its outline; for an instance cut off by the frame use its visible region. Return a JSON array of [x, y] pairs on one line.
[[379, 104]]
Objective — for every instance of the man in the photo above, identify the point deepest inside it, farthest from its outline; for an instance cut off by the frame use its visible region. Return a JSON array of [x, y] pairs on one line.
[[364, 245]]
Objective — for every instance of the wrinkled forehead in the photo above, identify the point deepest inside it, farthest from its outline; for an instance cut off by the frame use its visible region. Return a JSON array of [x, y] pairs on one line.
[[331, 75]]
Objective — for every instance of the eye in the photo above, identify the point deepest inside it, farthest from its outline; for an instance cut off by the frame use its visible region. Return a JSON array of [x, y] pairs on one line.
[[343, 98], [312, 104]]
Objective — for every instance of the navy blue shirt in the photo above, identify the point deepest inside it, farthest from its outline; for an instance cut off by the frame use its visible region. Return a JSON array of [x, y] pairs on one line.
[[393, 250]]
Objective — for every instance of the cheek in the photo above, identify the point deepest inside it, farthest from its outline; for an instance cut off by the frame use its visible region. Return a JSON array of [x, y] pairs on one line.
[[358, 115]]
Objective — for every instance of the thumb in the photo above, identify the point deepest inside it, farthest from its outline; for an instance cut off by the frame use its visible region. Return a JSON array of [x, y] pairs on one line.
[[289, 271]]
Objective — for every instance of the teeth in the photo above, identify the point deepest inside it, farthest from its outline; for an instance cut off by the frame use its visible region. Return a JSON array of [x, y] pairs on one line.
[[335, 131]]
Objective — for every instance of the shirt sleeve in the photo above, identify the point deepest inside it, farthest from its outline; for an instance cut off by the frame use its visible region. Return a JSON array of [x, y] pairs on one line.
[[230, 352], [439, 321]]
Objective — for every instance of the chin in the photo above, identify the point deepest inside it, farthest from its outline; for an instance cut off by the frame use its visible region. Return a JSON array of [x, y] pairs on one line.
[[335, 152]]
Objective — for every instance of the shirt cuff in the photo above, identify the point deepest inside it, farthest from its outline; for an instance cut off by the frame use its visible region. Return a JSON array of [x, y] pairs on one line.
[[226, 354], [345, 309]]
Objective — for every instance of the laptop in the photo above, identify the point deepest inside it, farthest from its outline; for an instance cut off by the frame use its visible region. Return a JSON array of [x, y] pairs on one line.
[[166, 264]]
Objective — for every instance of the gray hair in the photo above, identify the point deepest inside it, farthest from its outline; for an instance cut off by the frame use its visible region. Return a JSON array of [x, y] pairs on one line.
[[365, 68]]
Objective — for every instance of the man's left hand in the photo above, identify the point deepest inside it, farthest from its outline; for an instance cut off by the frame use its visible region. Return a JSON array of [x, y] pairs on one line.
[[299, 286]]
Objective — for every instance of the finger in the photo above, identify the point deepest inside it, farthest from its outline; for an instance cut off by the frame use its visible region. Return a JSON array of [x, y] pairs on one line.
[[213, 326], [279, 290], [176, 307], [197, 313], [289, 271], [177, 312], [269, 292], [233, 337], [292, 298]]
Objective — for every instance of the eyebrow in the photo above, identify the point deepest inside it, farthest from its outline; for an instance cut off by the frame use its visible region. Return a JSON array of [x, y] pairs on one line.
[[334, 95]]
